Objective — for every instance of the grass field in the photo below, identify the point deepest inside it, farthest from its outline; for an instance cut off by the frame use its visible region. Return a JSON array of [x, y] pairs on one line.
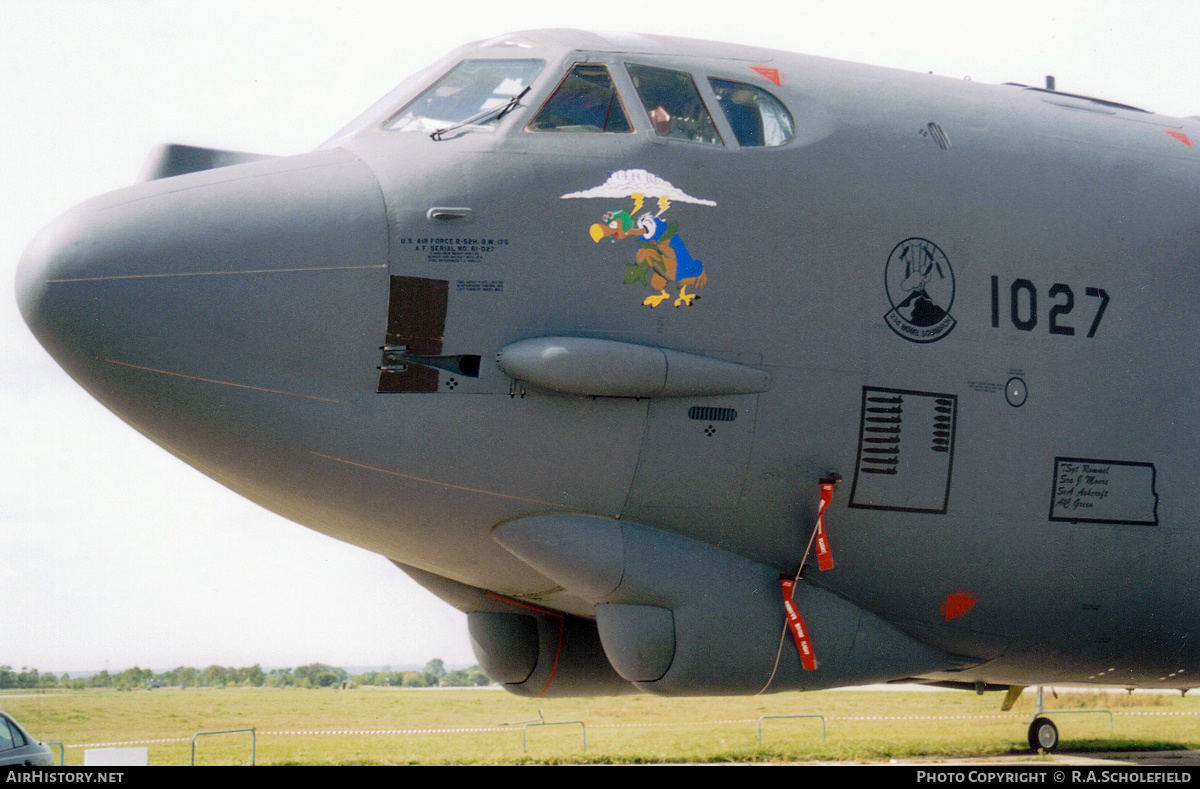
[[861, 725]]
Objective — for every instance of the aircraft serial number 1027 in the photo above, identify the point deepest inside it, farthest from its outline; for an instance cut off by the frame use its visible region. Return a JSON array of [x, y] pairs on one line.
[[691, 368]]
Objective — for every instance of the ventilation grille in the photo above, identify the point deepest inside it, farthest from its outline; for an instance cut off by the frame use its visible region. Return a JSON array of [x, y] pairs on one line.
[[710, 414]]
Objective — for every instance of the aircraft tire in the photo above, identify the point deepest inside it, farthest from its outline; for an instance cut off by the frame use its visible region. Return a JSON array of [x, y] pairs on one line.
[[1043, 735]]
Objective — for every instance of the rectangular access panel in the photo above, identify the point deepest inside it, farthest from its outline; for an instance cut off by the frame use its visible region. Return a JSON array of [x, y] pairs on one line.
[[416, 326]]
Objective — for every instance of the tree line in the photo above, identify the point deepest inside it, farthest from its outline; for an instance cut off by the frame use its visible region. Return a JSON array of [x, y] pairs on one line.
[[313, 675]]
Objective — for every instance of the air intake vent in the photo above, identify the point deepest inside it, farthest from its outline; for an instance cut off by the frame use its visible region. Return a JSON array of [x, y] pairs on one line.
[[709, 414]]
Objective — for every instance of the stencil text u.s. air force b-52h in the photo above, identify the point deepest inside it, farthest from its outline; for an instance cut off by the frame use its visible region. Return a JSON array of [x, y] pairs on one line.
[[928, 385]]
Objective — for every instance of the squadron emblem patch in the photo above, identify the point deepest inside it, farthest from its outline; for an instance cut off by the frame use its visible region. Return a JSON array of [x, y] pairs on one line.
[[920, 287]]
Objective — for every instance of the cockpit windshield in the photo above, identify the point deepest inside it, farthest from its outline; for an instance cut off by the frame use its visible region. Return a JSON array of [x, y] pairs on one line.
[[472, 88]]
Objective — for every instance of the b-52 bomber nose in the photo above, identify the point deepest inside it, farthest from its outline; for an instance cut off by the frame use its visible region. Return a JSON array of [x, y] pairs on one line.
[[197, 307], [415, 343]]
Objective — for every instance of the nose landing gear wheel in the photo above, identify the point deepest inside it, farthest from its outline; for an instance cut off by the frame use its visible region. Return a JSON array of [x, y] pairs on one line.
[[1043, 735]]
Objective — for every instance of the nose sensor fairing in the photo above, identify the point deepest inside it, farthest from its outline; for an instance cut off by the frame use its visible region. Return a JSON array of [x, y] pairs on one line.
[[231, 303]]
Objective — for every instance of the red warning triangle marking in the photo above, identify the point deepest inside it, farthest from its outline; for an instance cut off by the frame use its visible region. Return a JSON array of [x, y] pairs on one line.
[[769, 73], [1180, 136], [957, 604]]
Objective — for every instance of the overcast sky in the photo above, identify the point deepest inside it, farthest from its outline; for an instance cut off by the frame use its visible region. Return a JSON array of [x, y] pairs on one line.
[[112, 552]]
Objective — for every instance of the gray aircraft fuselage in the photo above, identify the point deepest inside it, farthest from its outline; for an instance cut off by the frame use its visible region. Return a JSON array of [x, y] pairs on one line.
[[976, 305]]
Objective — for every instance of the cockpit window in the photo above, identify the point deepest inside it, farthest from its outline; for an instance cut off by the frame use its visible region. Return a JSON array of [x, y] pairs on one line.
[[471, 88], [758, 118], [586, 101], [673, 104]]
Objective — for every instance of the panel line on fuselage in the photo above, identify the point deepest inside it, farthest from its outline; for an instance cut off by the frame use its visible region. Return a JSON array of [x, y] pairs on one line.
[[216, 273], [226, 383], [437, 482]]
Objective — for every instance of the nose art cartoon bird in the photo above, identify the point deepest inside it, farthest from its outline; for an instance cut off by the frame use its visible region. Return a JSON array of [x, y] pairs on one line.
[[662, 257]]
